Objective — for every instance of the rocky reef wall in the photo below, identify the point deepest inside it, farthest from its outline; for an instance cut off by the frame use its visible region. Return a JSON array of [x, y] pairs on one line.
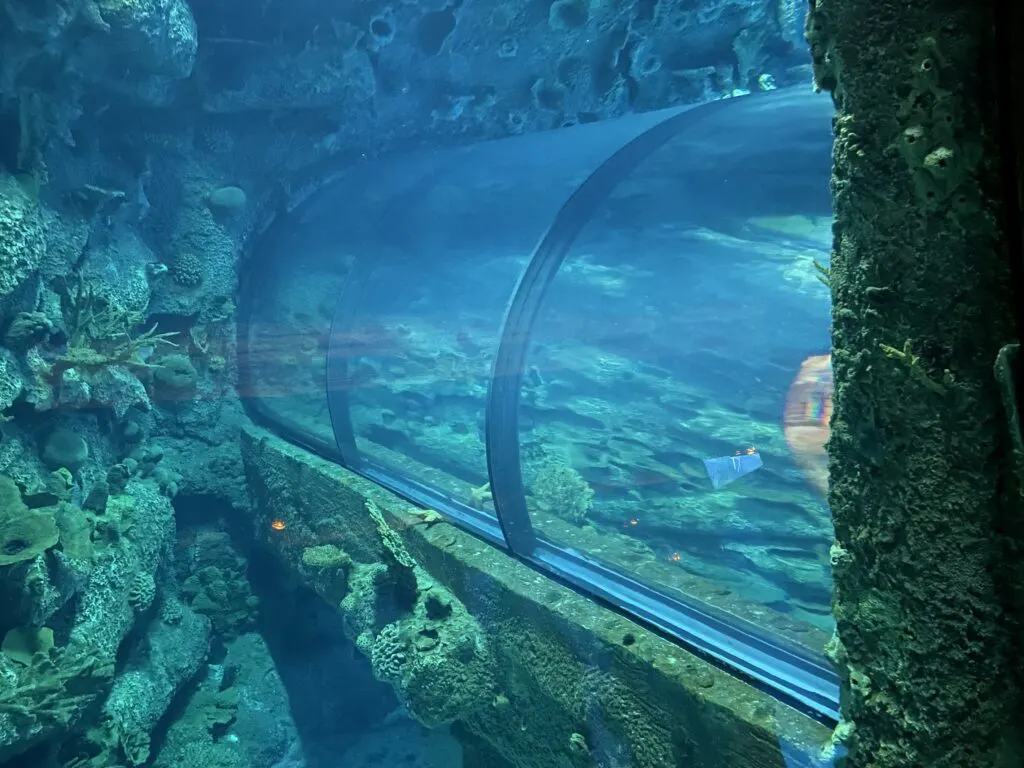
[[141, 143], [925, 500]]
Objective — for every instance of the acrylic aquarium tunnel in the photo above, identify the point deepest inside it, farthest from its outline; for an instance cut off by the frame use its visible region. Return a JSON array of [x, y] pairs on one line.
[[603, 348]]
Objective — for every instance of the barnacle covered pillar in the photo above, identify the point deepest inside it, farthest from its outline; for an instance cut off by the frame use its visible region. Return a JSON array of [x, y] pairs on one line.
[[923, 491]]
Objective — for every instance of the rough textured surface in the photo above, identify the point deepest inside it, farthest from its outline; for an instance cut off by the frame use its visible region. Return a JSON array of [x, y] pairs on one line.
[[244, 699], [145, 526], [575, 685], [922, 489], [155, 670], [472, 68], [119, 119], [21, 235], [123, 125], [84, 591]]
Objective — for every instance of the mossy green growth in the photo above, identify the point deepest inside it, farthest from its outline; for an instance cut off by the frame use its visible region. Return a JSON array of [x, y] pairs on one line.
[[24, 533], [921, 488], [561, 490], [561, 699], [325, 556], [1008, 363]]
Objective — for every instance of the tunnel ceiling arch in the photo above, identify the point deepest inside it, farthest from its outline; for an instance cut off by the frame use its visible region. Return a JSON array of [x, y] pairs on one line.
[[582, 345]]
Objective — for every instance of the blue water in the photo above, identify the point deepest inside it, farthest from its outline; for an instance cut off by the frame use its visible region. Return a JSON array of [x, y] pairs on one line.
[[545, 271]]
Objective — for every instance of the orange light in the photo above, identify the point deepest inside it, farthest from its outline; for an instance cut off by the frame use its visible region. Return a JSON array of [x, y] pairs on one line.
[[279, 525], [675, 557], [805, 421]]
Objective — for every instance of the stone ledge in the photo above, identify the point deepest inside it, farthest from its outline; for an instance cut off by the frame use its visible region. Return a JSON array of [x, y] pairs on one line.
[[570, 683]]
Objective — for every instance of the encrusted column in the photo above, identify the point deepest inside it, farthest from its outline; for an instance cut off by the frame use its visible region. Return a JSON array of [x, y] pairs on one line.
[[923, 491]]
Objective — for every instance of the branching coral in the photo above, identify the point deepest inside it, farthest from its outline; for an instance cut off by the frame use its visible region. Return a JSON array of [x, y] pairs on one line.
[[913, 366], [822, 274], [99, 333]]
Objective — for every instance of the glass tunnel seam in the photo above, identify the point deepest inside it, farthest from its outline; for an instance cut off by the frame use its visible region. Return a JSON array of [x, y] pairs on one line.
[[785, 673], [339, 408], [250, 279], [729, 642], [338, 404], [336, 371], [502, 430]]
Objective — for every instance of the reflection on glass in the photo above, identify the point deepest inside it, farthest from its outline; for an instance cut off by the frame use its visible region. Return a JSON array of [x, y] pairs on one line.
[[808, 411], [292, 306], [421, 349], [676, 405], [442, 261]]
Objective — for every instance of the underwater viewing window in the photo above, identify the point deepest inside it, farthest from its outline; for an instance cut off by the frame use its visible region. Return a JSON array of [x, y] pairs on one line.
[[603, 348]]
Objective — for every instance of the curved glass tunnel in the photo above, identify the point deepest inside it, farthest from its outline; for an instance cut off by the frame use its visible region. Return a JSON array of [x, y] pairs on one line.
[[603, 347]]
